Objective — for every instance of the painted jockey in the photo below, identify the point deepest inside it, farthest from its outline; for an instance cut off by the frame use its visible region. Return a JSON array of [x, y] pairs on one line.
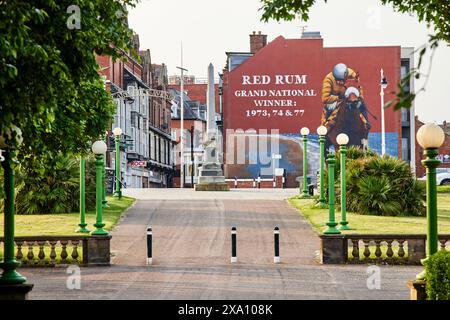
[[333, 91]]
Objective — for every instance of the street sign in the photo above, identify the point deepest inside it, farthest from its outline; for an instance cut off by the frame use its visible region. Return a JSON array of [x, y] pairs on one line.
[[138, 163]]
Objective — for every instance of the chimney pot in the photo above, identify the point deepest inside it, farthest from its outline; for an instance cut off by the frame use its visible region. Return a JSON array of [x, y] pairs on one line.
[[257, 41]]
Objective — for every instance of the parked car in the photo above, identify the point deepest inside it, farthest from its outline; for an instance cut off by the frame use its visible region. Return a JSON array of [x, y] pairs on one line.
[[442, 176], [443, 179]]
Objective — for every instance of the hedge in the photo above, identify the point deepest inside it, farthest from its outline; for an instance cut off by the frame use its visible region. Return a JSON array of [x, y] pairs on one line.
[[438, 276]]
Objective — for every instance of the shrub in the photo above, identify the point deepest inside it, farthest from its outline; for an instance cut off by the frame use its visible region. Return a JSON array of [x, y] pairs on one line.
[[376, 196], [50, 184], [438, 276], [353, 153], [380, 185]]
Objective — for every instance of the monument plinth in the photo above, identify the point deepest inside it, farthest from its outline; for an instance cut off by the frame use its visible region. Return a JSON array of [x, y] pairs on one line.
[[211, 176]]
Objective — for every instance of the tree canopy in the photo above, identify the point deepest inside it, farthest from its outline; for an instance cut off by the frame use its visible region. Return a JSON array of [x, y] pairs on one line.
[[49, 84], [435, 13]]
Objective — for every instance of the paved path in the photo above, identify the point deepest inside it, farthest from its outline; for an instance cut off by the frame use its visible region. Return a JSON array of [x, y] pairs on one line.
[[192, 252]]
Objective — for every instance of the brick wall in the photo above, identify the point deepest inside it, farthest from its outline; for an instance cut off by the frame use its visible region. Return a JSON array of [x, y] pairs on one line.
[[265, 184], [443, 150], [257, 41]]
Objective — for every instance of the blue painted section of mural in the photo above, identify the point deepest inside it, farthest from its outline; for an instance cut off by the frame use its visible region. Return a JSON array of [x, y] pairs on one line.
[[391, 143], [265, 166]]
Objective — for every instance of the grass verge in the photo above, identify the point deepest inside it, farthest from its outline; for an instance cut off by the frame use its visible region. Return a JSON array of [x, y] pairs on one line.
[[64, 225], [67, 223], [367, 224], [443, 189]]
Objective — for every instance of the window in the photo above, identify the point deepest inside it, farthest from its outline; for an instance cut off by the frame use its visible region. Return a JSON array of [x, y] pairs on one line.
[[166, 154], [133, 119], [133, 137], [163, 142], [404, 70], [122, 116], [158, 149], [174, 134], [405, 115], [152, 146], [405, 149]]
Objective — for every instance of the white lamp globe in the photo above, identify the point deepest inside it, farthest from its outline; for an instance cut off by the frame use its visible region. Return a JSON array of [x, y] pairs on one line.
[[117, 131], [99, 147], [342, 139], [13, 132], [322, 130], [430, 136], [304, 131]]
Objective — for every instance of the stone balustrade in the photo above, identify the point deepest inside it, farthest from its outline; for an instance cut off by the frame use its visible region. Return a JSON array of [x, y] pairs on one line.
[[50, 251], [377, 248]]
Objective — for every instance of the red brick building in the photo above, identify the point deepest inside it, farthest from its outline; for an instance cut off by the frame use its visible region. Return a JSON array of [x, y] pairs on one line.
[[275, 89], [194, 124], [144, 117], [444, 150]]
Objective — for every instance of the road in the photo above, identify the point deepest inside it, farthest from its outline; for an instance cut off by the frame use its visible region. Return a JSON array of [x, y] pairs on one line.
[[191, 232]]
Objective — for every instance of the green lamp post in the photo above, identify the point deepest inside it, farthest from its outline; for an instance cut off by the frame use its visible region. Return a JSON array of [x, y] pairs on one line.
[[99, 148], [304, 132], [117, 135], [9, 265], [82, 225], [342, 139], [322, 131], [331, 209], [431, 137], [104, 201]]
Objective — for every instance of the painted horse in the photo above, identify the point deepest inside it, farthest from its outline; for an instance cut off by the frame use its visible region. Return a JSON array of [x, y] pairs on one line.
[[349, 119]]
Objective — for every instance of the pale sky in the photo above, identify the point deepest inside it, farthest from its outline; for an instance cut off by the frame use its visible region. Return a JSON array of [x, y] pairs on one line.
[[209, 28]]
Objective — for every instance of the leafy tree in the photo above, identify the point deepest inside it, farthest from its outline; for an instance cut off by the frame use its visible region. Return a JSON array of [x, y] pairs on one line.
[[435, 13], [49, 84]]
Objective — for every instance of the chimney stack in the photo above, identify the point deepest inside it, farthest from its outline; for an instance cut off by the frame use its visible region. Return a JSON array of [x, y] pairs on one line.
[[257, 41]]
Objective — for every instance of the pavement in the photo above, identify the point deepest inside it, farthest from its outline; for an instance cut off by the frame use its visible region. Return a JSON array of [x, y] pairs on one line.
[[191, 254]]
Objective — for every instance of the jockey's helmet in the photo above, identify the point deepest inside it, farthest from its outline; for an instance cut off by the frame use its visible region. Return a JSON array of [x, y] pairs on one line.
[[340, 72]]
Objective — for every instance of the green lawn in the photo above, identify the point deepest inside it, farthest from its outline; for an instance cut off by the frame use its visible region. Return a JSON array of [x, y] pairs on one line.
[[443, 189], [67, 223], [364, 224]]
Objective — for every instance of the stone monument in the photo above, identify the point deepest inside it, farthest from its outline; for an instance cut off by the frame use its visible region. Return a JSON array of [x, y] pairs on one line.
[[211, 176]]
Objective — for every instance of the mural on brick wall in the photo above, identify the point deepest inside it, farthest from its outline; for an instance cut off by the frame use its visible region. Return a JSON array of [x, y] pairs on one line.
[[295, 83]]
